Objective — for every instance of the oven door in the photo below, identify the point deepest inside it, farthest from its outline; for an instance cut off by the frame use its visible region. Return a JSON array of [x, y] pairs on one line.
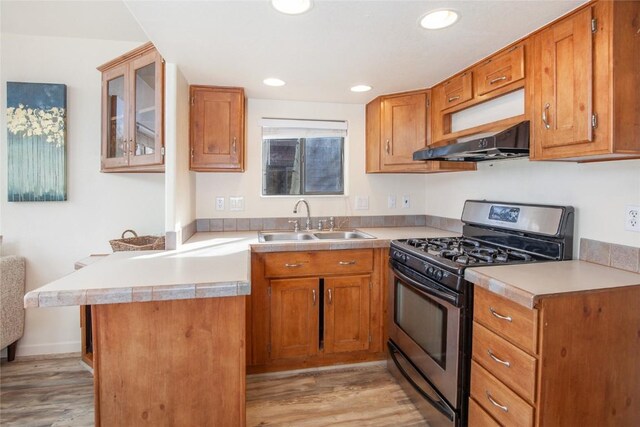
[[425, 325]]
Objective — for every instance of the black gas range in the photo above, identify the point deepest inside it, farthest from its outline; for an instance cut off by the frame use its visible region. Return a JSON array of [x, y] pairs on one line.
[[432, 304]]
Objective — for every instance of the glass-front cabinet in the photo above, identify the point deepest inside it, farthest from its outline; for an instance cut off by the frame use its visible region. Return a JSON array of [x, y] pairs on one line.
[[132, 111]]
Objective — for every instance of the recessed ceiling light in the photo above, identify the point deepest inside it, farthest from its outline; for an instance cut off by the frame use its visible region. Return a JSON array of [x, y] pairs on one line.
[[291, 7], [273, 82], [438, 19], [361, 88]]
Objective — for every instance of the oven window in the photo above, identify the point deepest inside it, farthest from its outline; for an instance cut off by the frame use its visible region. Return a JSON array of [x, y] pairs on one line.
[[424, 320]]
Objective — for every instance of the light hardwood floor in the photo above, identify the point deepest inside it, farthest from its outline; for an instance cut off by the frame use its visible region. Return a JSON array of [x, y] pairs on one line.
[[59, 392]]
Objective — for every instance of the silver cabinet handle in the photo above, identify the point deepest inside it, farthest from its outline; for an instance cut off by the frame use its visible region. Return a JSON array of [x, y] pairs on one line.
[[504, 408], [131, 147], [346, 262], [453, 98], [388, 146], [500, 316], [497, 79], [545, 112], [233, 145], [493, 356], [293, 265], [330, 297], [313, 293]]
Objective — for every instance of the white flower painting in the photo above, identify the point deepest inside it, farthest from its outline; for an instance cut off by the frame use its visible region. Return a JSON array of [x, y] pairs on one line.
[[36, 131]]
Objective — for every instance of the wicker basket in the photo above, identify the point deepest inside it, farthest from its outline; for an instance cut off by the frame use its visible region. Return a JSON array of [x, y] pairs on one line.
[[137, 243]]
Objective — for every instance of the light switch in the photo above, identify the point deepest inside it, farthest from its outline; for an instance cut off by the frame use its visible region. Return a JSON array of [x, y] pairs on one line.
[[362, 203], [236, 203], [219, 203]]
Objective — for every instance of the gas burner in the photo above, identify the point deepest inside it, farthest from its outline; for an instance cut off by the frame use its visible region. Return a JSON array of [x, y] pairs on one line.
[[465, 260], [450, 253], [484, 254], [520, 256]]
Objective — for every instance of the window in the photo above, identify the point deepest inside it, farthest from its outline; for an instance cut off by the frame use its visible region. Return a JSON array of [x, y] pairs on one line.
[[302, 157]]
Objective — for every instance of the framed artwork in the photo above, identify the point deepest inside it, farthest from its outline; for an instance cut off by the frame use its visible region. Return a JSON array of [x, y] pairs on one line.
[[36, 142]]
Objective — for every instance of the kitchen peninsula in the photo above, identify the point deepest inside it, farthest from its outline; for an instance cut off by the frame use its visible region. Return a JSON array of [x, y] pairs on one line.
[[169, 326]]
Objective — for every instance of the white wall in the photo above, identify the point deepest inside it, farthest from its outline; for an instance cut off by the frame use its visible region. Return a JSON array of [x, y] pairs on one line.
[[179, 181], [598, 191], [248, 184], [53, 235]]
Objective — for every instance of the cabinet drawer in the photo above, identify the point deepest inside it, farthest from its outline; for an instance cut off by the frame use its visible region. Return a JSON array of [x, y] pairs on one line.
[[508, 319], [297, 264], [505, 361], [500, 70], [498, 400], [456, 90], [478, 417]]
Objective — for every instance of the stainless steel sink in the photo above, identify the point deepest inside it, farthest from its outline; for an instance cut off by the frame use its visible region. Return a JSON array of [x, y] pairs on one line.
[[276, 236], [279, 236], [343, 235]]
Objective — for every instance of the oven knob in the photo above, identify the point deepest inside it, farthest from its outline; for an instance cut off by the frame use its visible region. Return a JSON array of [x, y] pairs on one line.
[[430, 271], [439, 275]]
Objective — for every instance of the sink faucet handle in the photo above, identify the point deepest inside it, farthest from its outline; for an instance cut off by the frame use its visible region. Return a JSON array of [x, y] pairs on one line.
[[308, 224], [321, 225], [332, 223], [296, 224]]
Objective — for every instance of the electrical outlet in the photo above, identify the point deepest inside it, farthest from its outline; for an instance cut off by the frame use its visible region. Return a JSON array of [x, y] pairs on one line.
[[219, 203], [406, 201], [391, 201], [632, 218], [236, 203]]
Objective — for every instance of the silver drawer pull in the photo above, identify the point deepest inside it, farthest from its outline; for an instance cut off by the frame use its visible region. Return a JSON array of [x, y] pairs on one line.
[[504, 408], [545, 113], [493, 356], [346, 262], [293, 265], [330, 296], [313, 294], [453, 98], [500, 316], [497, 79]]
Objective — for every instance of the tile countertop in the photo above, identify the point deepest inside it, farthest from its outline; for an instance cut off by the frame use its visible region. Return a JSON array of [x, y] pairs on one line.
[[208, 265], [526, 284]]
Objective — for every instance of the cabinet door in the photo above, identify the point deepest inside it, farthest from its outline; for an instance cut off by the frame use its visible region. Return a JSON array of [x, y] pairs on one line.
[[404, 128], [115, 117], [500, 70], [146, 128], [563, 83], [294, 318], [217, 129], [455, 90], [346, 308]]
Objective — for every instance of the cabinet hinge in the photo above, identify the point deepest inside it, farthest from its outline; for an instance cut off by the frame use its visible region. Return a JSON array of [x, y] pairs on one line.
[[594, 25], [162, 151], [269, 291], [269, 348], [594, 121], [428, 102], [370, 338], [193, 100], [370, 285]]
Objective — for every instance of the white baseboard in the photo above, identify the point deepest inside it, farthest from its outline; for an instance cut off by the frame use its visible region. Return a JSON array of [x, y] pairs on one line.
[[48, 348]]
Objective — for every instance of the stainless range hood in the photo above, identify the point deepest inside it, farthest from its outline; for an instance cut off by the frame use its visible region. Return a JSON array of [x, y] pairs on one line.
[[503, 144]]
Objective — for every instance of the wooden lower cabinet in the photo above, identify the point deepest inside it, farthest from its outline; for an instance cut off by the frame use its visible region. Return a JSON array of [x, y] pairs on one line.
[[570, 361], [333, 313]]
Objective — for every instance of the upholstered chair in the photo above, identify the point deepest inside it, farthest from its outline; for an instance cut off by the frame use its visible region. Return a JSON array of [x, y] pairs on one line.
[[12, 283]]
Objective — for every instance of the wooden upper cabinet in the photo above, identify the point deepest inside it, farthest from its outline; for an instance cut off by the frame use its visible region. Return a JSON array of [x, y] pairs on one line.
[[456, 90], [564, 82], [217, 129], [500, 70], [585, 90], [397, 126], [132, 112], [404, 127]]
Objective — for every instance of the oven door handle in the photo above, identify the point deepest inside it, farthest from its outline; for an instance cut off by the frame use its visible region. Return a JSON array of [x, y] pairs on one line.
[[435, 292], [435, 400]]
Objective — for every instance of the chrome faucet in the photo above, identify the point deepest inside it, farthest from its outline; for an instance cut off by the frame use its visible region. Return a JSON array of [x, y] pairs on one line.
[[295, 210]]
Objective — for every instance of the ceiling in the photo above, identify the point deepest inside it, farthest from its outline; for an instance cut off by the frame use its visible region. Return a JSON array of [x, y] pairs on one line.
[[320, 54]]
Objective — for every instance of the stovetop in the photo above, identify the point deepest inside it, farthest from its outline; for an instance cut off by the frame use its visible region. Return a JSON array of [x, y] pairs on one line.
[[464, 251]]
